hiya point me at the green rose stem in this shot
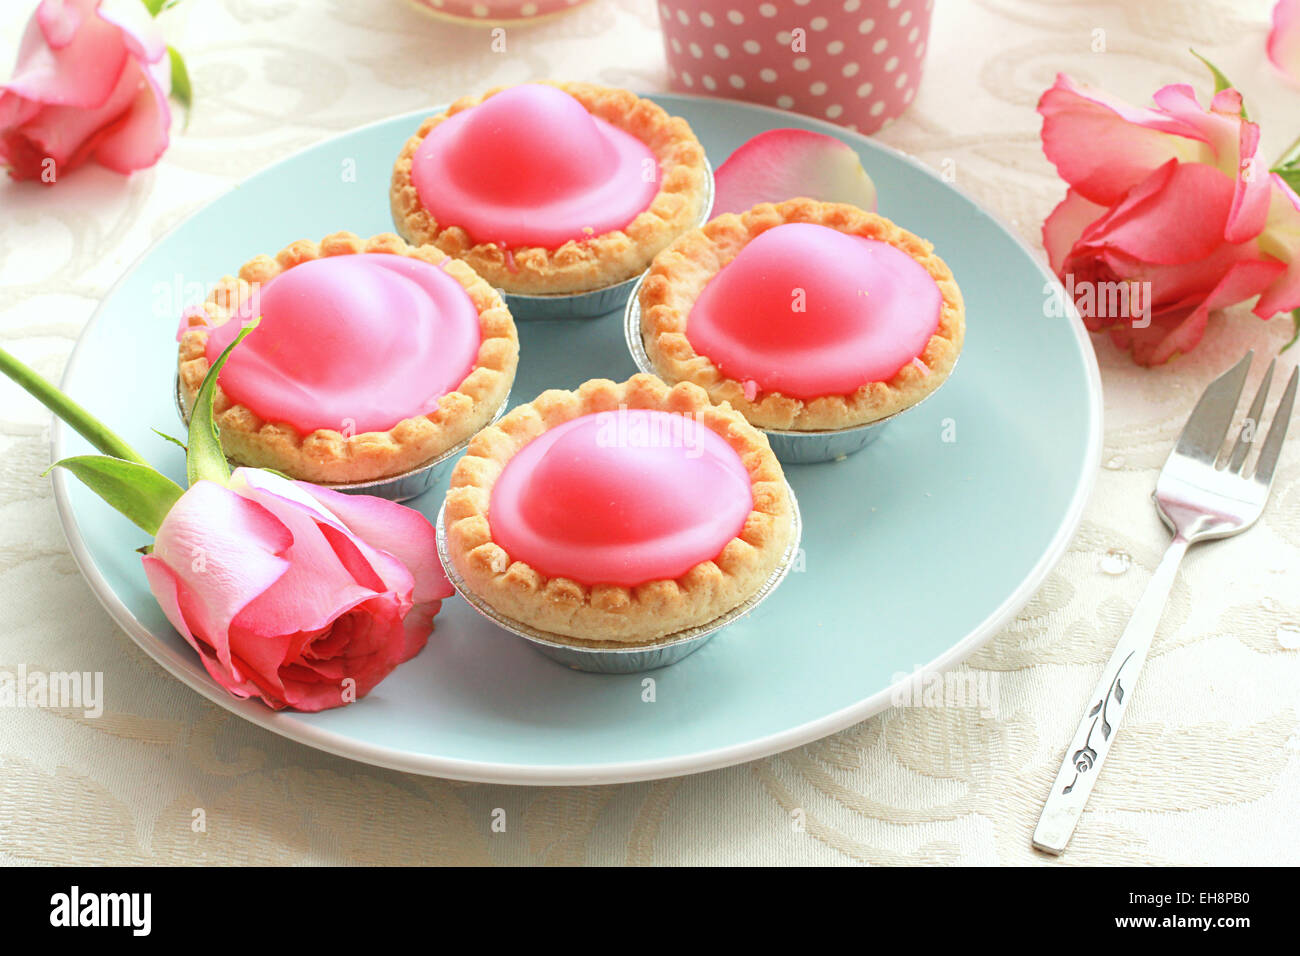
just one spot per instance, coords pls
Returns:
(85, 424)
(121, 476)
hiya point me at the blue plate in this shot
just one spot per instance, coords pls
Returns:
(917, 549)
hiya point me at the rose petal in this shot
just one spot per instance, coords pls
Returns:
(418, 625)
(166, 591)
(316, 588)
(83, 73)
(1184, 285)
(24, 159)
(14, 110)
(1281, 240)
(141, 32)
(1176, 215)
(60, 20)
(138, 142)
(364, 646)
(69, 134)
(225, 552)
(402, 532)
(1284, 38)
(1235, 145)
(1179, 332)
(1102, 146)
(785, 163)
(369, 566)
(1062, 229)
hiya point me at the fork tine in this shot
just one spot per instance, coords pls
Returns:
(1276, 432)
(1246, 438)
(1205, 430)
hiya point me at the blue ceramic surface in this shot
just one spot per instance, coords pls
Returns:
(916, 550)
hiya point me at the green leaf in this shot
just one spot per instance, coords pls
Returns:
(154, 7)
(1289, 174)
(205, 458)
(1221, 82)
(84, 423)
(1295, 321)
(175, 441)
(136, 490)
(182, 91)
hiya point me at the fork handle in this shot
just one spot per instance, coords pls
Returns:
(1092, 741)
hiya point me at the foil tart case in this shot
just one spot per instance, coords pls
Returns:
(669, 649)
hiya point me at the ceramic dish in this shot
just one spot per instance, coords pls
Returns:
(989, 513)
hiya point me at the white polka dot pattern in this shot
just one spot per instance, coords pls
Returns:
(855, 62)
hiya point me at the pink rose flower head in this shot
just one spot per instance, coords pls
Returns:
(1284, 38)
(301, 596)
(1171, 214)
(90, 83)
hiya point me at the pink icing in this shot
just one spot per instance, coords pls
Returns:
(531, 167)
(355, 342)
(806, 311)
(621, 498)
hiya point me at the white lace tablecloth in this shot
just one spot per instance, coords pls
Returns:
(1207, 769)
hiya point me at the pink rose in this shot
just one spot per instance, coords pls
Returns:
(1171, 206)
(304, 597)
(91, 82)
(1284, 38)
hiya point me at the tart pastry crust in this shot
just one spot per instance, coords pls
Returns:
(612, 615)
(679, 274)
(330, 456)
(594, 263)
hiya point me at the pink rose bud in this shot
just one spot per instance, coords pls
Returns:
(301, 596)
(91, 83)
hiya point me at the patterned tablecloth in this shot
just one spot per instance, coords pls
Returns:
(1207, 769)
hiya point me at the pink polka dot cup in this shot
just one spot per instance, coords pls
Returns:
(854, 62)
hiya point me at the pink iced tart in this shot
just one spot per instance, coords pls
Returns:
(368, 339)
(531, 167)
(370, 358)
(548, 188)
(808, 311)
(804, 315)
(619, 512)
(584, 502)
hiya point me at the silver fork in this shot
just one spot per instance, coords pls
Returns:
(1202, 493)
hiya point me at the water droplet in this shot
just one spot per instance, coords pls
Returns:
(1115, 561)
(1288, 635)
(1115, 462)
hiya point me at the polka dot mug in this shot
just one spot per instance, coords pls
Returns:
(854, 62)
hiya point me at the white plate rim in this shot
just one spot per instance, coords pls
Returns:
(286, 724)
